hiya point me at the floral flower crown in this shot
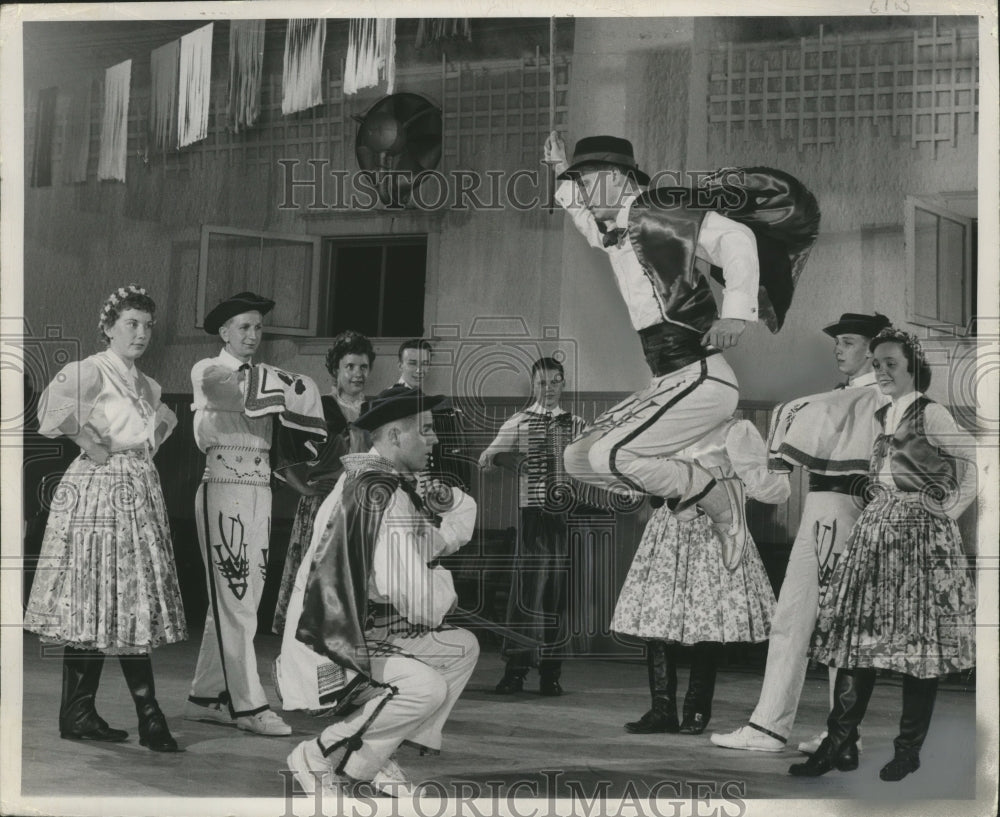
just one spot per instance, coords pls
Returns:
(114, 299)
(903, 338)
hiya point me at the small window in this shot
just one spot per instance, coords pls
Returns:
(376, 286)
(941, 261)
(283, 267)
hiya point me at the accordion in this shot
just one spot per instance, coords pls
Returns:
(544, 481)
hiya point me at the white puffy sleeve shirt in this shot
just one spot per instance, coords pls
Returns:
(101, 396)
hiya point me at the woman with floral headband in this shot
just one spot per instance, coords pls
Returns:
(106, 582)
(903, 597)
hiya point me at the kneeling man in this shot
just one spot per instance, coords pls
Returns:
(365, 636)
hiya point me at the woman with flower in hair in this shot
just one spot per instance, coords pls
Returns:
(349, 362)
(903, 597)
(106, 583)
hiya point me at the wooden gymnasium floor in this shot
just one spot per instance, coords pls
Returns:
(524, 746)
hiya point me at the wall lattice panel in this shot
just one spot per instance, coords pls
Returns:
(923, 85)
(498, 106)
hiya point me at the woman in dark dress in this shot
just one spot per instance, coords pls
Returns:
(349, 362)
(903, 598)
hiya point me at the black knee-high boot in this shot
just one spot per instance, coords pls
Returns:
(919, 695)
(701, 688)
(78, 718)
(851, 693)
(662, 669)
(153, 730)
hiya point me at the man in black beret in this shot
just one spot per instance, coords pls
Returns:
(831, 436)
(755, 228)
(365, 625)
(233, 514)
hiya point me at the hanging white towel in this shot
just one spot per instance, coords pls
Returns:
(302, 79)
(246, 62)
(195, 84)
(114, 122)
(371, 54)
(164, 66)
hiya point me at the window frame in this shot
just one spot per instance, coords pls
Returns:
(313, 275)
(939, 206)
(332, 242)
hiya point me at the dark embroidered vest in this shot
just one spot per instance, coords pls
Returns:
(915, 463)
(663, 228)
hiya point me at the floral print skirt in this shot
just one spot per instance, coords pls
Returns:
(106, 578)
(903, 597)
(678, 589)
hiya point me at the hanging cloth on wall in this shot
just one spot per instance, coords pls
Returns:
(433, 29)
(45, 120)
(371, 54)
(164, 64)
(195, 81)
(246, 63)
(76, 139)
(302, 80)
(114, 122)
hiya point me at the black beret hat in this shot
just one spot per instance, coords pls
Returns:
(236, 305)
(395, 403)
(852, 323)
(610, 149)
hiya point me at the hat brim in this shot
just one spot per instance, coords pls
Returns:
(866, 330)
(232, 307)
(396, 408)
(619, 159)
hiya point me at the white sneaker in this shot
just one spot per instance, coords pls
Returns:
(748, 739)
(210, 713)
(264, 723)
(809, 747)
(392, 781)
(310, 767)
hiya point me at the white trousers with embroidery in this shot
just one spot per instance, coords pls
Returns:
(827, 519)
(234, 549)
(631, 444)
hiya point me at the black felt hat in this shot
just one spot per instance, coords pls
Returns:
(395, 403)
(610, 149)
(236, 305)
(852, 323)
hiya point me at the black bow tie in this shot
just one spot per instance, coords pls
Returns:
(244, 367)
(614, 238)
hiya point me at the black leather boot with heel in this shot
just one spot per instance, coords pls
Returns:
(919, 695)
(153, 730)
(662, 669)
(78, 718)
(851, 692)
(701, 688)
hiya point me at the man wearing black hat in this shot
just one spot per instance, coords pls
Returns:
(830, 435)
(755, 227)
(233, 514)
(365, 619)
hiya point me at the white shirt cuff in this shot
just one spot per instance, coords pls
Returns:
(738, 305)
